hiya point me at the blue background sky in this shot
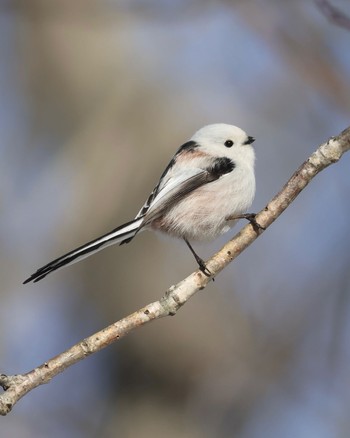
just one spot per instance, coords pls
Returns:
(95, 99)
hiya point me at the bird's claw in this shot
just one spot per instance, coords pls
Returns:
(203, 268)
(251, 217)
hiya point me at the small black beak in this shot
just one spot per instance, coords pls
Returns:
(250, 140)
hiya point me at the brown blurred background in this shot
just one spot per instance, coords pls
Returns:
(96, 96)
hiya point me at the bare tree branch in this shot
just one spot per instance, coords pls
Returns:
(15, 387)
(334, 14)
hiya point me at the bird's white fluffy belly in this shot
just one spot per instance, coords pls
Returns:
(202, 214)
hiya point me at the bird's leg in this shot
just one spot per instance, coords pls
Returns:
(200, 261)
(251, 218)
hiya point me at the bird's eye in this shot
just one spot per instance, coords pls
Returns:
(228, 143)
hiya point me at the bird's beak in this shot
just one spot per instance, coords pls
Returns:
(250, 140)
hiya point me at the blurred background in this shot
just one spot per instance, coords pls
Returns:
(96, 96)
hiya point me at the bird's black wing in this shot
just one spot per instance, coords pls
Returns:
(189, 146)
(183, 183)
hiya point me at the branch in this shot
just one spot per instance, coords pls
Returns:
(15, 387)
(334, 14)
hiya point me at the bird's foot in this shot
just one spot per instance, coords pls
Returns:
(251, 217)
(203, 268)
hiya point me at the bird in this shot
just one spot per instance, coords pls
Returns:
(207, 186)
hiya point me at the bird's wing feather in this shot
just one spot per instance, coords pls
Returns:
(181, 183)
(187, 148)
(176, 189)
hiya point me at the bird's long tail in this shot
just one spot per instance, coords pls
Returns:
(119, 235)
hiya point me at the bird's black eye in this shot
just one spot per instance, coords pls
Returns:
(228, 143)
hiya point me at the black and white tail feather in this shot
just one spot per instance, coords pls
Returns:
(210, 178)
(122, 234)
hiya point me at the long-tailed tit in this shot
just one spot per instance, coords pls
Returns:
(208, 184)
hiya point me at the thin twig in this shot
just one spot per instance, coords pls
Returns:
(15, 387)
(334, 14)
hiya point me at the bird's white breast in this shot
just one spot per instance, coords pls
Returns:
(202, 214)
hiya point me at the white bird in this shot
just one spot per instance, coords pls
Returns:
(208, 184)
